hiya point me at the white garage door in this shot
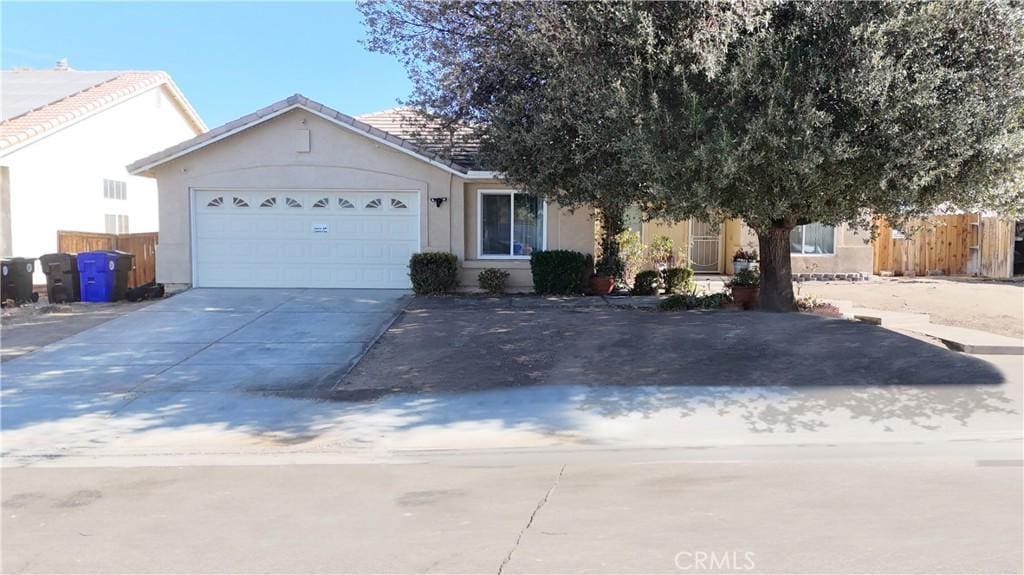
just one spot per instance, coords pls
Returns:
(304, 239)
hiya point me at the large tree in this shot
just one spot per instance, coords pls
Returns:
(777, 113)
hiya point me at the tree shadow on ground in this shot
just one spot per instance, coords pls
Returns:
(558, 371)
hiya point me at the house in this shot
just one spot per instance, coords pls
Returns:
(300, 195)
(65, 137)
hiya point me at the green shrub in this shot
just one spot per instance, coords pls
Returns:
(678, 280)
(691, 301)
(646, 283)
(745, 278)
(492, 280)
(434, 272)
(561, 272)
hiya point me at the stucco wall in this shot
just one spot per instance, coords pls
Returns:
(566, 230)
(56, 182)
(852, 253)
(265, 157)
(5, 213)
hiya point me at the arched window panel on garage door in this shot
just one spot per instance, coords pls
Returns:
(398, 204)
(293, 203)
(269, 202)
(239, 202)
(322, 203)
(216, 202)
(374, 204)
(346, 204)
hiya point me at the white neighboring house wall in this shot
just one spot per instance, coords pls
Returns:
(56, 182)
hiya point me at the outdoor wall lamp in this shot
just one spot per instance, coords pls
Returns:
(438, 201)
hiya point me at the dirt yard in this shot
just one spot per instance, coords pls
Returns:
(467, 344)
(993, 306)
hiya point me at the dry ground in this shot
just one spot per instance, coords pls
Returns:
(467, 344)
(992, 306)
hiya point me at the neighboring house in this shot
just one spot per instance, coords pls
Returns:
(65, 137)
(300, 195)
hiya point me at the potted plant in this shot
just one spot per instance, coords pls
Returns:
(745, 286)
(605, 273)
(744, 260)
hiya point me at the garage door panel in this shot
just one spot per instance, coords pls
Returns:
(305, 239)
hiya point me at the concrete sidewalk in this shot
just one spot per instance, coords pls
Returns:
(201, 428)
(956, 338)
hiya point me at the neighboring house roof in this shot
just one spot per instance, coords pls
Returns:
(409, 124)
(39, 102)
(291, 103)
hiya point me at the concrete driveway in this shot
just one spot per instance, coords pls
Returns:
(224, 340)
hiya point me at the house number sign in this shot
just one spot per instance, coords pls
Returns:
(319, 228)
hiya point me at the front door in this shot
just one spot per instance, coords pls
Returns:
(705, 247)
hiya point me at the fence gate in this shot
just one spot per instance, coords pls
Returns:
(705, 246)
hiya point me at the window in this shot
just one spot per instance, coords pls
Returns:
(322, 203)
(269, 203)
(115, 190)
(813, 239)
(345, 204)
(398, 204)
(511, 224)
(116, 223)
(293, 203)
(373, 204)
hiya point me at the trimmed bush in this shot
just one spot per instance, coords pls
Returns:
(646, 283)
(434, 272)
(561, 272)
(492, 280)
(678, 280)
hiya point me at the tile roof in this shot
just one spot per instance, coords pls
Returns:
(77, 102)
(409, 124)
(26, 90)
(297, 100)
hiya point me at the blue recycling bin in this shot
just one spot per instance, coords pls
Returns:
(97, 272)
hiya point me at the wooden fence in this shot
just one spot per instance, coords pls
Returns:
(142, 245)
(964, 244)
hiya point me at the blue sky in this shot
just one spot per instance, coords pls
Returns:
(228, 58)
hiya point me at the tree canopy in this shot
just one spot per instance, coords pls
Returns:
(779, 113)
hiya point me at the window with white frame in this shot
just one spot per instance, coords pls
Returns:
(813, 239)
(116, 223)
(115, 190)
(511, 224)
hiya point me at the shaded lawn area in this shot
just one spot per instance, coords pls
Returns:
(448, 344)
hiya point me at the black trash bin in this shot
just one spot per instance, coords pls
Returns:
(16, 280)
(123, 266)
(62, 281)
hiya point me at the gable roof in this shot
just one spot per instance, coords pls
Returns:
(288, 104)
(39, 102)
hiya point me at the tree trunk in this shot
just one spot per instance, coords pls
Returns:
(610, 260)
(776, 269)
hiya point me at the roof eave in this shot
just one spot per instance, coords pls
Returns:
(144, 166)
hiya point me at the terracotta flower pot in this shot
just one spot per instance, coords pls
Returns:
(601, 285)
(748, 297)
